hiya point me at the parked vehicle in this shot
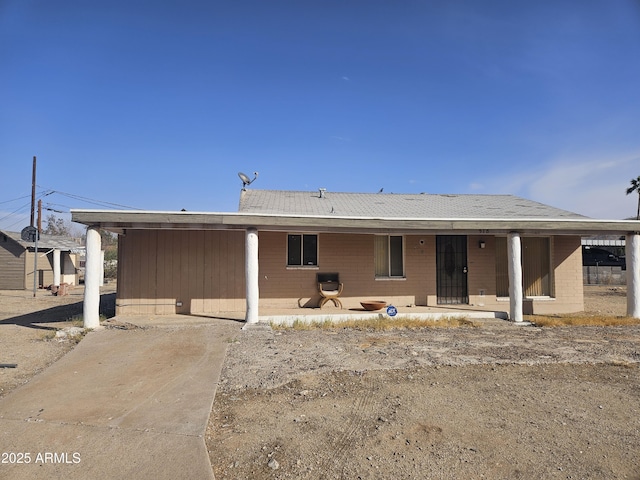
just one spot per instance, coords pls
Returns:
(593, 256)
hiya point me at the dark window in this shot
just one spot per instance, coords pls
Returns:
(310, 249)
(302, 250)
(395, 259)
(294, 250)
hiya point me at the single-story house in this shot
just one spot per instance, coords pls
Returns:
(499, 251)
(56, 254)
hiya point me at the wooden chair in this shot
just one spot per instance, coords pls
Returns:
(330, 288)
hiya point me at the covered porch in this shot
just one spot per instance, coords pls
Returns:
(254, 224)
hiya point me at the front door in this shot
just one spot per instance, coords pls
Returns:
(451, 268)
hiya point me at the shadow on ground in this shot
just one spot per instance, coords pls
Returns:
(62, 313)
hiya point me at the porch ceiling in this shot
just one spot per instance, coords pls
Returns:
(119, 221)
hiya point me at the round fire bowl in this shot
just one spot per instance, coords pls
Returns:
(373, 305)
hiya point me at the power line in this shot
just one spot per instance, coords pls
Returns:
(45, 192)
(49, 209)
(23, 209)
(50, 205)
(28, 205)
(93, 201)
(19, 220)
(14, 200)
(19, 209)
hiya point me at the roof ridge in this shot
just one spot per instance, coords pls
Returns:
(327, 191)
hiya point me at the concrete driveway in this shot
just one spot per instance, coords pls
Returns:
(125, 403)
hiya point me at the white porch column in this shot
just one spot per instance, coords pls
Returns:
(251, 275)
(56, 267)
(91, 306)
(632, 252)
(514, 252)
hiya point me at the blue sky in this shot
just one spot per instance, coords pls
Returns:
(158, 104)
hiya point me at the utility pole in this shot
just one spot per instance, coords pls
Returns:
(40, 216)
(31, 233)
(33, 192)
(35, 255)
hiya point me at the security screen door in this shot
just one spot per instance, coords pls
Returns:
(451, 269)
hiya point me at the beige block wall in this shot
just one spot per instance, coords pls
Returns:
(481, 271)
(566, 258)
(352, 257)
(481, 275)
(566, 264)
(205, 271)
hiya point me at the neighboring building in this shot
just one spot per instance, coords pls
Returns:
(17, 261)
(604, 261)
(496, 251)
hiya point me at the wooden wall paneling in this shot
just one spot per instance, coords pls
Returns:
(12, 259)
(197, 271)
(120, 272)
(216, 242)
(162, 297)
(153, 271)
(207, 279)
(223, 272)
(136, 280)
(180, 270)
(172, 263)
(145, 284)
(238, 277)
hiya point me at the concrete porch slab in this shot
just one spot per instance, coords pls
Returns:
(335, 315)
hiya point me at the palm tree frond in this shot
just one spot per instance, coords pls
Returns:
(635, 186)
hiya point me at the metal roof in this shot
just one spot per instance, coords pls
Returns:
(47, 242)
(393, 205)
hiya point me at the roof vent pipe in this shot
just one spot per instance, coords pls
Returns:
(322, 190)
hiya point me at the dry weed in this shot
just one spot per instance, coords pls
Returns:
(379, 324)
(581, 320)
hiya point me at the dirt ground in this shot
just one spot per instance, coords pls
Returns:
(494, 401)
(27, 330)
(491, 401)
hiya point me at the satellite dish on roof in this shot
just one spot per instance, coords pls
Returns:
(245, 179)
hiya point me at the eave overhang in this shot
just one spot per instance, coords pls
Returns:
(121, 221)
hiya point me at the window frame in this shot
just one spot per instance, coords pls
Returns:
(389, 258)
(302, 250)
